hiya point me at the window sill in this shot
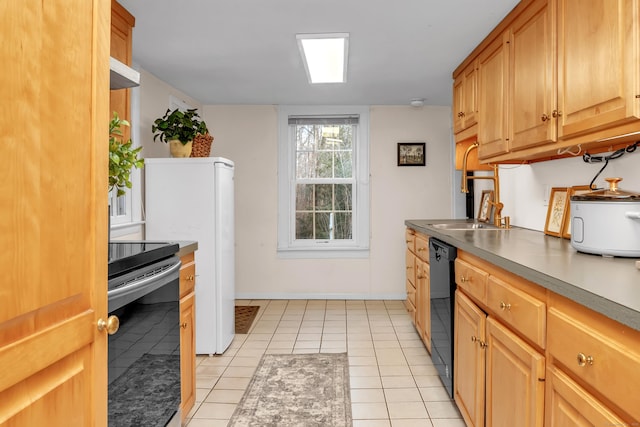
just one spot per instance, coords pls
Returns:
(326, 253)
(125, 229)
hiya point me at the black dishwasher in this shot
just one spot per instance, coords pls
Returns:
(443, 287)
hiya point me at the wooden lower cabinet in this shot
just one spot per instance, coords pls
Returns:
(418, 285)
(498, 377)
(187, 334)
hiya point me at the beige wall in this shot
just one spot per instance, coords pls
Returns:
(248, 136)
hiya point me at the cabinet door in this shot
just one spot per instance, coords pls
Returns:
(423, 303)
(122, 23)
(458, 104)
(187, 353)
(568, 405)
(470, 95)
(515, 379)
(597, 64)
(533, 78)
(469, 360)
(493, 86)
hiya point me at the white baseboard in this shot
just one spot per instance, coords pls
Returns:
(327, 296)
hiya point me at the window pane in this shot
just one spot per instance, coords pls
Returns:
(343, 197)
(305, 137)
(304, 197)
(323, 225)
(304, 225)
(343, 165)
(324, 197)
(324, 166)
(343, 226)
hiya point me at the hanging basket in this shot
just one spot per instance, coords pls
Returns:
(201, 145)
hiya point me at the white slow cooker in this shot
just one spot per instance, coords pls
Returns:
(606, 222)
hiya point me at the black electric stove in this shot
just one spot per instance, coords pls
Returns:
(128, 256)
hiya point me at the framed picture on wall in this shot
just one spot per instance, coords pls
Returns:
(556, 211)
(576, 189)
(411, 154)
(484, 212)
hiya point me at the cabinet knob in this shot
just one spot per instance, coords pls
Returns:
(183, 325)
(474, 338)
(111, 325)
(422, 249)
(544, 117)
(584, 360)
(505, 306)
(556, 113)
(464, 279)
(190, 278)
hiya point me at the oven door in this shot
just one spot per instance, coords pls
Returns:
(144, 355)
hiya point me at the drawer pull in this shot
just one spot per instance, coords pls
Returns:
(584, 360)
(422, 249)
(504, 306)
(464, 279)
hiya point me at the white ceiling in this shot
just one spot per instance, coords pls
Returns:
(245, 52)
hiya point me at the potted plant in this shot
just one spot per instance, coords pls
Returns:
(179, 128)
(122, 157)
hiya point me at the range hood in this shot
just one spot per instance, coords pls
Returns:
(123, 76)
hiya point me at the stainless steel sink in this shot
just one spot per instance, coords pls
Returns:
(466, 226)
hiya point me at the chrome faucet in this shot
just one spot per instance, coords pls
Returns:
(497, 204)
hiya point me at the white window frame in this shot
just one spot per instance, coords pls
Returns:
(131, 221)
(288, 246)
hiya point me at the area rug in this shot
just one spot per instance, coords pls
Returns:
(310, 390)
(147, 393)
(245, 314)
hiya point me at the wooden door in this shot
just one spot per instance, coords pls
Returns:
(515, 380)
(533, 77)
(53, 212)
(469, 360)
(597, 64)
(568, 405)
(493, 81)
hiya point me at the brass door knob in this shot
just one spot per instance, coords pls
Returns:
(111, 325)
(505, 306)
(584, 360)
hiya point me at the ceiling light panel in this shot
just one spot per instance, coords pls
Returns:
(324, 56)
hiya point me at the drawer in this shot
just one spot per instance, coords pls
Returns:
(411, 266)
(516, 308)
(410, 238)
(605, 358)
(471, 279)
(422, 247)
(187, 279)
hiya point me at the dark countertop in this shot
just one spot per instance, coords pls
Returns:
(610, 286)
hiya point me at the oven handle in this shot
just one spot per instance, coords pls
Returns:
(141, 284)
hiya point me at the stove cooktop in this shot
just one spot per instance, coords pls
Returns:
(127, 256)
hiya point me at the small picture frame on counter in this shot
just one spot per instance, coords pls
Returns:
(485, 209)
(411, 154)
(556, 212)
(576, 189)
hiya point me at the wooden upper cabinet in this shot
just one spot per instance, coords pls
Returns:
(598, 64)
(465, 98)
(493, 86)
(533, 79)
(122, 23)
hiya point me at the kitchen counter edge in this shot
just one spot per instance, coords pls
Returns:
(556, 257)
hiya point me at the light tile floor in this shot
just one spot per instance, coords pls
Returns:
(393, 382)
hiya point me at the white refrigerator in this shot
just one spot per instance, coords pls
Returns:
(192, 199)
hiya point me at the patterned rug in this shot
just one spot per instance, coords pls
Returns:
(310, 390)
(244, 317)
